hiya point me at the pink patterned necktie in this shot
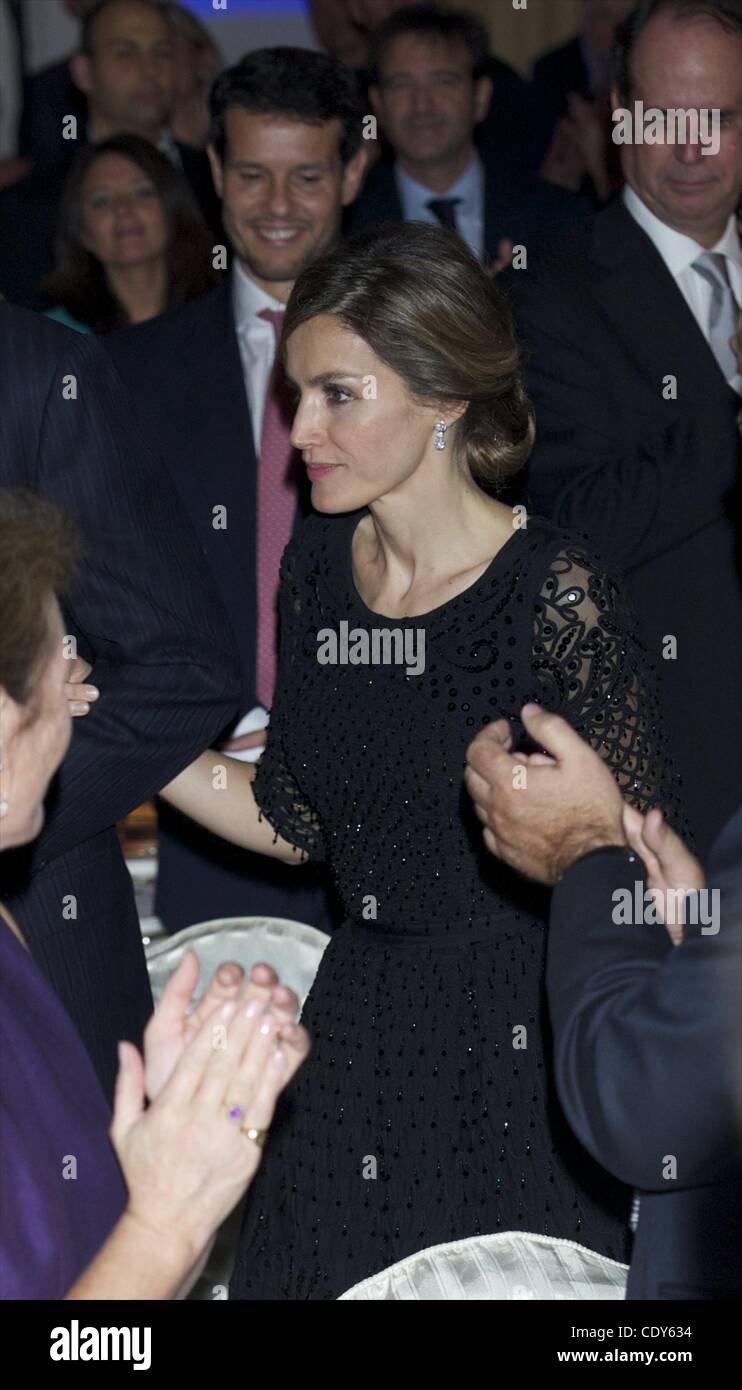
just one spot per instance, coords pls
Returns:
(276, 507)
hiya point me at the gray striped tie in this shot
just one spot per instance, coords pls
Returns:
(712, 266)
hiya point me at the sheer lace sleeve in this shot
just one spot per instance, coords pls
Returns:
(592, 669)
(276, 788)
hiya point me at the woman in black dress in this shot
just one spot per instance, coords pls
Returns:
(414, 609)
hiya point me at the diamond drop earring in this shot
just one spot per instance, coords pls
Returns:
(440, 434)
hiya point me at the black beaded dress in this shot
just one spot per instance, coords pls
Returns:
(426, 1111)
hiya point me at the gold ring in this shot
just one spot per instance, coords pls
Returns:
(258, 1136)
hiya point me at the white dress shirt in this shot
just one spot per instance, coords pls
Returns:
(679, 251)
(469, 214)
(257, 341)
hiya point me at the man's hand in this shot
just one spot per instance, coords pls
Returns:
(502, 259)
(590, 132)
(668, 863)
(542, 812)
(172, 1026)
(563, 163)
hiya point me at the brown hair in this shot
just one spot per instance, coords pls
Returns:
(37, 546)
(430, 22)
(419, 298)
(78, 281)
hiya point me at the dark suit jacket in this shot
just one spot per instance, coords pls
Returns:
(48, 97)
(650, 480)
(183, 373)
(647, 1042)
(503, 137)
(525, 210)
(146, 613)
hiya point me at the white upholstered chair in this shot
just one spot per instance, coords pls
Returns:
(292, 948)
(512, 1265)
(295, 951)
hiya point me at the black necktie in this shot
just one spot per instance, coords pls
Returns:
(443, 209)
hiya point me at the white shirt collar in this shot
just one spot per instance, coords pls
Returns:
(677, 250)
(248, 298)
(467, 188)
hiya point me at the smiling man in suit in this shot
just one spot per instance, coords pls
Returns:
(430, 90)
(636, 390)
(287, 155)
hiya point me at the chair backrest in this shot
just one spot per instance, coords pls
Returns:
(294, 949)
(510, 1265)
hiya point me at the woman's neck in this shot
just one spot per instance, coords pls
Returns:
(417, 539)
(141, 290)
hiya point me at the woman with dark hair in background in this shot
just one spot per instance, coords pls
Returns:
(415, 608)
(84, 1215)
(130, 241)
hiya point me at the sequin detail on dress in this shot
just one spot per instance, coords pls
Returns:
(425, 1112)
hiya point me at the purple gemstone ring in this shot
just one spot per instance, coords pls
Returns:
(236, 1113)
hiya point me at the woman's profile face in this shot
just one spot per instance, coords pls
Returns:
(35, 740)
(360, 433)
(123, 218)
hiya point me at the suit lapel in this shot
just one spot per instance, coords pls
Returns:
(640, 298)
(219, 439)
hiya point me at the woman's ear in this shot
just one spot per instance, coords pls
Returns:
(451, 411)
(12, 718)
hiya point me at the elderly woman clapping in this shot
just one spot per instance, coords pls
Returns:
(128, 1212)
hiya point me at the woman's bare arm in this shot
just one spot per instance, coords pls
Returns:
(216, 791)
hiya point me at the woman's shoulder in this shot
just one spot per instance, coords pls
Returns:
(573, 583)
(558, 549)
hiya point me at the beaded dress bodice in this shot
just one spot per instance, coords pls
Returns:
(364, 764)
